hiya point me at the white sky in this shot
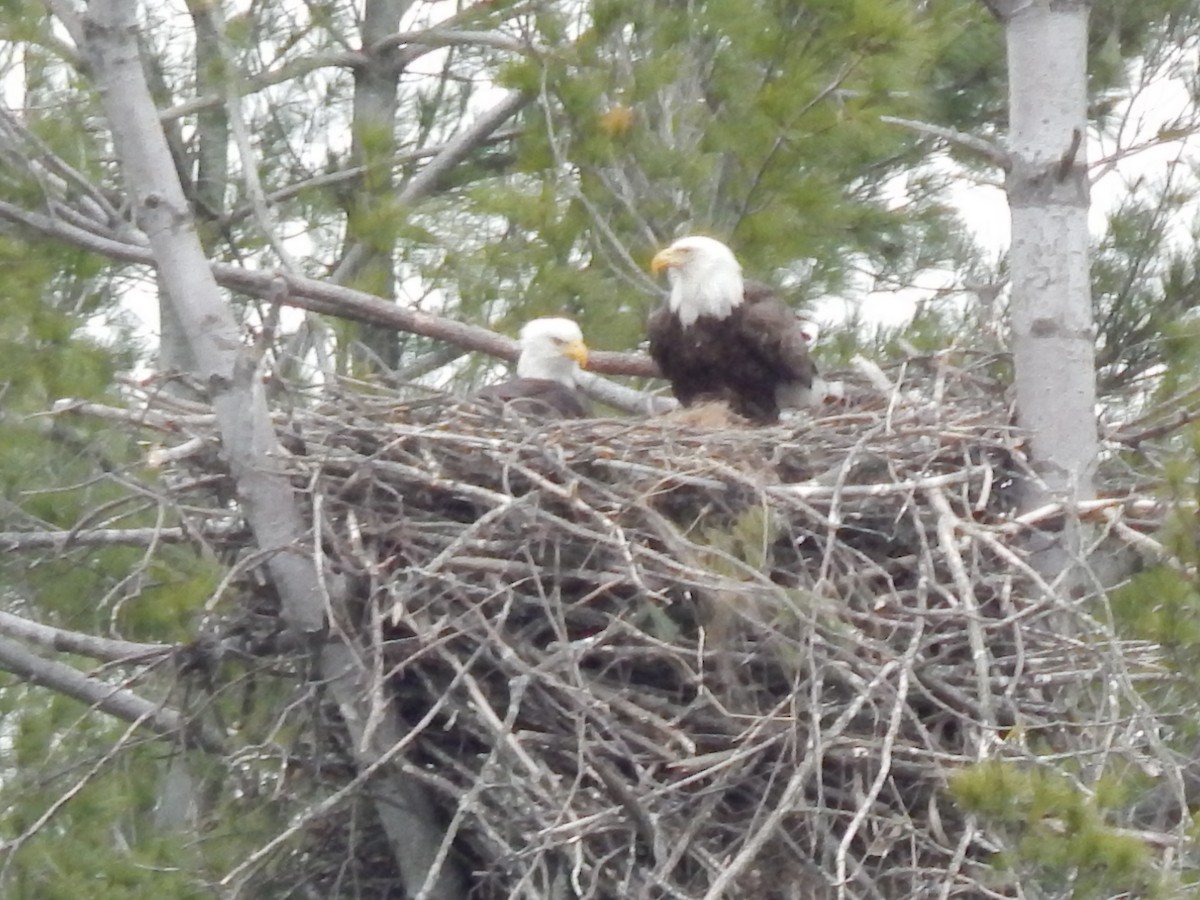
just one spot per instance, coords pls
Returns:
(984, 208)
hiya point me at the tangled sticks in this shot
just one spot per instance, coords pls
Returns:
(642, 658)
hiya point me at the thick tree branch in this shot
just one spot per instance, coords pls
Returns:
(119, 702)
(323, 297)
(247, 434)
(89, 645)
(225, 367)
(621, 397)
(67, 15)
(977, 145)
(16, 541)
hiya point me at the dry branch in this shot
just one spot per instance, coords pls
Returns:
(323, 297)
(109, 537)
(645, 658)
(116, 701)
(66, 641)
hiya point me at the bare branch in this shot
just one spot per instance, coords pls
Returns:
(17, 541)
(106, 649)
(456, 150)
(815, 491)
(976, 145)
(254, 83)
(322, 297)
(119, 702)
(259, 204)
(437, 37)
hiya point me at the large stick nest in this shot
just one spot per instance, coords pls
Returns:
(644, 658)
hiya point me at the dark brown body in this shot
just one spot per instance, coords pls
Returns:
(740, 360)
(537, 397)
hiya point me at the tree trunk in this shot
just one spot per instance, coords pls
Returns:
(1053, 337)
(373, 146)
(224, 366)
(248, 438)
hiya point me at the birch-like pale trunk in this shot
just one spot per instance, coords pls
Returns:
(373, 146)
(223, 365)
(230, 373)
(1053, 338)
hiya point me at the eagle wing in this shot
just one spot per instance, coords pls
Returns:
(772, 331)
(537, 397)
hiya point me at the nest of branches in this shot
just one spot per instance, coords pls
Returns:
(647, 658)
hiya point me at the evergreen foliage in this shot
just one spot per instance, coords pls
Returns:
(1059, 838)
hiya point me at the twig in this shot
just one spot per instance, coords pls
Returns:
(947, 522)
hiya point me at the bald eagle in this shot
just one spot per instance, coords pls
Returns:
(719, 337)
(551, 352)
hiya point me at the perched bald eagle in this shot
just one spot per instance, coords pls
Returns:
(721, 338)
(551, 352)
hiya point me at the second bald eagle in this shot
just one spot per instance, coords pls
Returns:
(552, 350)
(719, 337)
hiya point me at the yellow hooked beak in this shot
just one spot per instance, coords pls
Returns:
(665, 259)
(576, 350)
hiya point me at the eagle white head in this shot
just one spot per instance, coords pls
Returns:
(705, 276)
(551, 349)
